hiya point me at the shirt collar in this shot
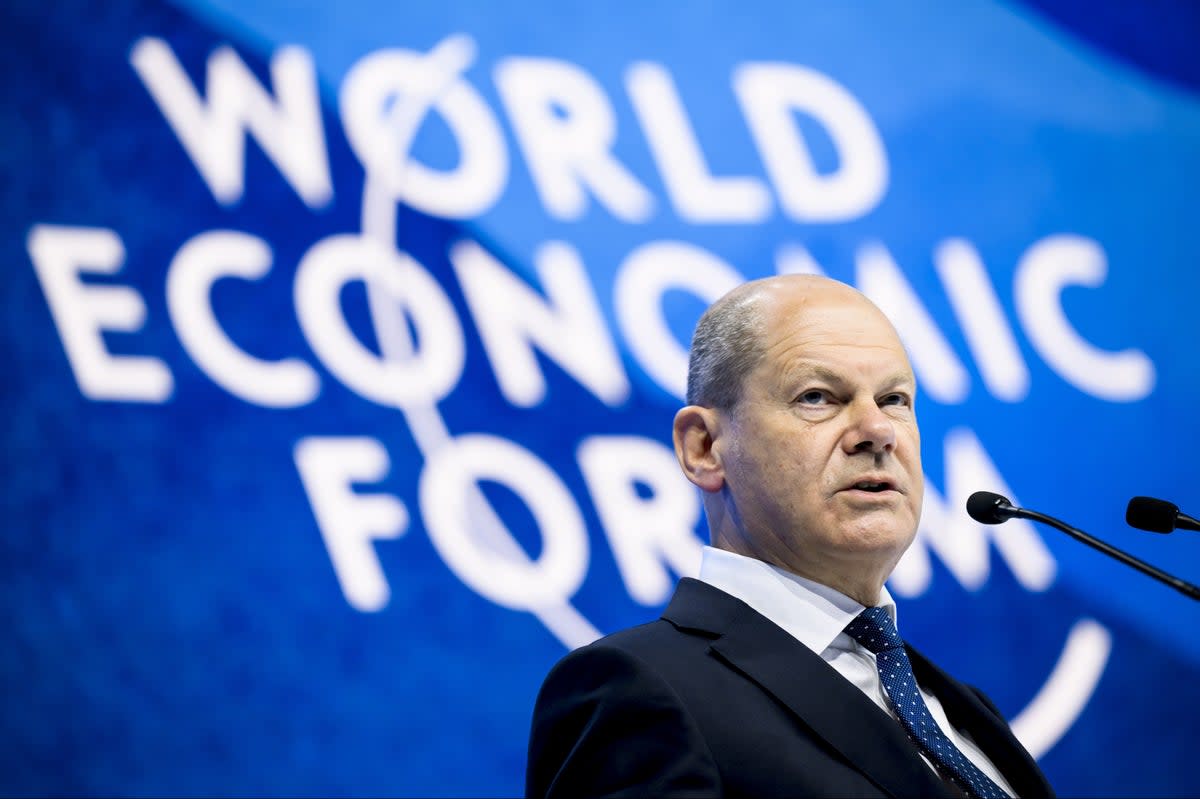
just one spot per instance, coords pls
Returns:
(814, 614)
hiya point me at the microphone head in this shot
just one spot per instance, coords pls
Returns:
(1155, 515)
(988, 508)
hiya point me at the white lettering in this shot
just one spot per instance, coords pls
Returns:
(383, 100)
(962, 543)
(566, 128)
(430, 373)
(213, 131)
(504, 574)
(770, 93)
(938, 369)
(1046, 268)
(698, 196)
(83, 312)
(200, 263)
(566, 325)
(350, 522)
(644, 277)
(983, 322)
(647, 534)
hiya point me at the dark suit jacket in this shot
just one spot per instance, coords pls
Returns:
(715, 699)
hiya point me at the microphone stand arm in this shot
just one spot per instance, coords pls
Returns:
(1185, 588)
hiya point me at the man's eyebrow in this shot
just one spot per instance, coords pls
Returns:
(808, 371)
(899, 379)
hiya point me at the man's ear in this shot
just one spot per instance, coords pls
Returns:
(695, 432)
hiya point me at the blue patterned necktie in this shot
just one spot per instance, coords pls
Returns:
(873, 629)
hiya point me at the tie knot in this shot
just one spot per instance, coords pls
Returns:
(873, 628)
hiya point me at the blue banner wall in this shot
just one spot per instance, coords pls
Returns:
(344, 341)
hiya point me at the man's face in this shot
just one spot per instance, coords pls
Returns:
(821, 455)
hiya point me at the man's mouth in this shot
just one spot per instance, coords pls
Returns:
(873, 486)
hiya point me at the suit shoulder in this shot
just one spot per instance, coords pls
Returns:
(608, 720)
(643, 637)
(632, 647)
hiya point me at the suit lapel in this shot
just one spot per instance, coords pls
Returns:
(827, 703)
(967, 711)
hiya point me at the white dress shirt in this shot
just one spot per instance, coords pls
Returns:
(816, 616)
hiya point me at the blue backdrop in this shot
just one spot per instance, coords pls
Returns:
(344, 341)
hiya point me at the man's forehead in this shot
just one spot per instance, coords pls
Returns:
(798, 296)
(825, 316)
(832, 335)
(768, 294)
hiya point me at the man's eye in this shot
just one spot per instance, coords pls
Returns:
(813, 397)
(894, 399)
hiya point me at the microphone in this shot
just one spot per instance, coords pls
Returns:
(988, 508)
(1158, 516)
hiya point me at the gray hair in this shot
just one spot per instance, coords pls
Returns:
(727, 345)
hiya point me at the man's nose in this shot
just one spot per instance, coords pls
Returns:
(870, 430)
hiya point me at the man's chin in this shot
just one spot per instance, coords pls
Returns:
(880, 530)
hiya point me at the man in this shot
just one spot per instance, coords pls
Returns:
(779, 672)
